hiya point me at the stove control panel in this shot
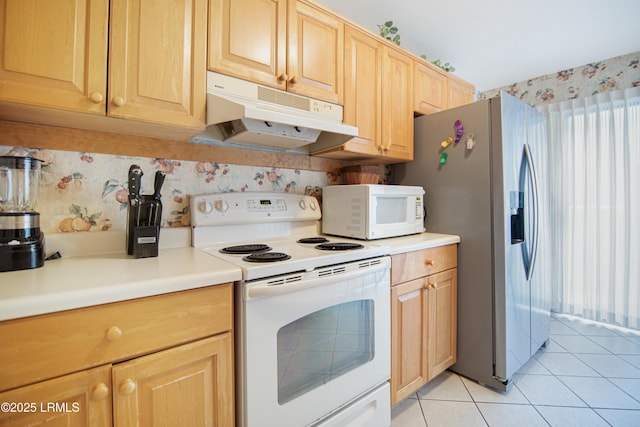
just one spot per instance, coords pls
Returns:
(266, 205)
(252, 208)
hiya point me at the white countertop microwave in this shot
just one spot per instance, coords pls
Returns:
(367, 211)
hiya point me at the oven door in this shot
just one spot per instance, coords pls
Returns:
(313, 343)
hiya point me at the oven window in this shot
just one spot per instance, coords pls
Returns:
(391, 210)
(322, 346)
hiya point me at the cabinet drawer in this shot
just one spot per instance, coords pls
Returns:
(40, 347)
(412, 265)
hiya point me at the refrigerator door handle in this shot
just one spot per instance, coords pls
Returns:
(535, 210)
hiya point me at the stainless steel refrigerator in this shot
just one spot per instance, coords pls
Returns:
(490, 189)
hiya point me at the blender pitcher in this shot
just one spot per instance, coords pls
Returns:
(21, 242)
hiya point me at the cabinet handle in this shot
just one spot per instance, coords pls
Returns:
(283, 77)
(96, 97)
(100, 391)
(118, 101)
(293, 80)
(114, 333)
(128, 386)
(429, 262)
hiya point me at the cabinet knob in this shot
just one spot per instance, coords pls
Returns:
(434, 285)
(118, 101)
(293, 80)
(283, 77)
(128, 386)
(114, 333)
(96, 97)
(429, 262)
(100, 391)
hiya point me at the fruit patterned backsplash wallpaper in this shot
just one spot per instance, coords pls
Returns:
(621, 72)
(88, 192)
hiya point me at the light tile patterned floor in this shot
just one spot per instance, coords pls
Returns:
(589, 375)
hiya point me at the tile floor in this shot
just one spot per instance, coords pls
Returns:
(589, 375)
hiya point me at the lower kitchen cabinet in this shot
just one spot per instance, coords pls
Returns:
(423, 317)
(160, 360)
(80, 399)
(191, 385)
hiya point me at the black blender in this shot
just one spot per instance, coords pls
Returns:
(21, 242)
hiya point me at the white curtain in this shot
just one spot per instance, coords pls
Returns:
(594, 206)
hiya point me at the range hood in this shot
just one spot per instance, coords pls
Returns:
(248, 114)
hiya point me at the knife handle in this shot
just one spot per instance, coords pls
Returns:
(135, 181)
(157, 184)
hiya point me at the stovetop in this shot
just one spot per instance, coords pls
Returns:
(301, 256)
(277, 220)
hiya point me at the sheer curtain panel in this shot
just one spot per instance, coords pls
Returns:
(594, 206)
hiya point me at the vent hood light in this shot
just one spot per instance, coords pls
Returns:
(247, 114)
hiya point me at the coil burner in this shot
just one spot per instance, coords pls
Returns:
(339, 246)
(245, 249)
(267, 257)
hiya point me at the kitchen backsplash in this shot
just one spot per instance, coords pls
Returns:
(621, 72)
(88, 192)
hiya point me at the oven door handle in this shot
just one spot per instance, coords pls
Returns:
(266, 290)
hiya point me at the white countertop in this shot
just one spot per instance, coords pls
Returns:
(95, 270)
(416, 242)
(82, 281)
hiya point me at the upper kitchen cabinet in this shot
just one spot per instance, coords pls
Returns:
(157, 61)
(436, 90)
(430, 89)
(54, 54)
(362, 96)
(141, 60)
(378, 101)
(287, 44)
(397, 105)
(459, 92)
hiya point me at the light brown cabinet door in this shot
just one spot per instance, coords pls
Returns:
(363, 65)
(458, 93)
(315, 53)
(430, 89)
(80, 399)
(248, 39)
(286, 44)
(409, 316)
(54, 53)
(397, 105)
(189, 385)
(157, 55)
(441, 344)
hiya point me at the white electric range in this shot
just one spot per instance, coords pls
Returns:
(312, 317)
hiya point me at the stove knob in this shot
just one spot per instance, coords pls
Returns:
(205, 207)
(221, 205)
(302, 204)
(313, 205)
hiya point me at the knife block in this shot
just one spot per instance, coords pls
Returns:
(144, 214)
